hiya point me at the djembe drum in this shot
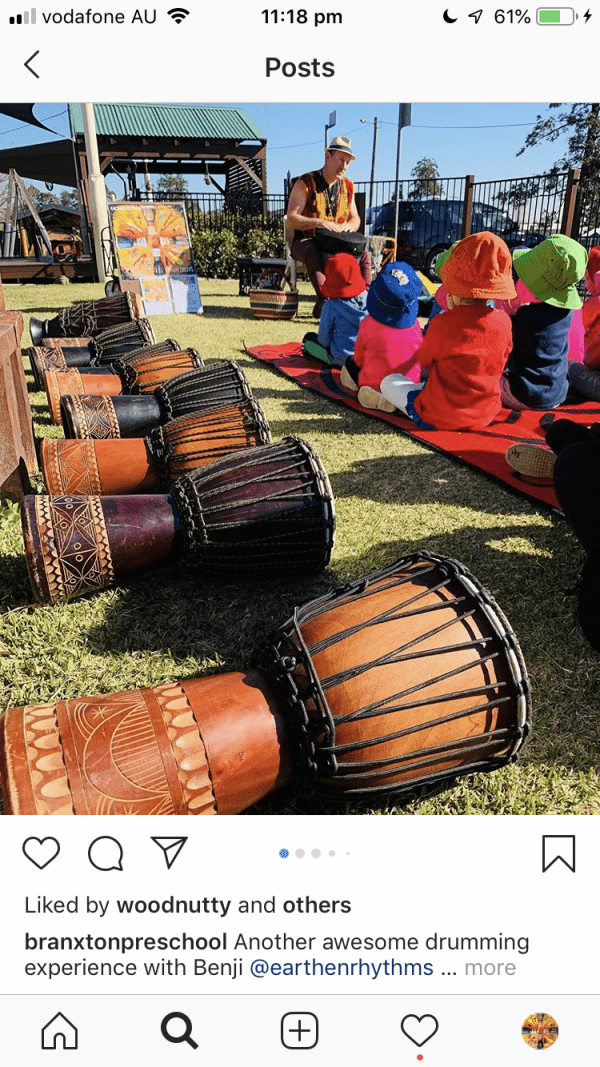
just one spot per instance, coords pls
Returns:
(141, 374)
(100, 417)
(116, 341)
(407, 678)
(48, 358)
(87, 318)
(117, 467)
(263, 510)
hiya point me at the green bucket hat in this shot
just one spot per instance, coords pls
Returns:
(552, 270)
(443, 258)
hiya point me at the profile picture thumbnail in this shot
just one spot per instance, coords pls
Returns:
(539, 1030)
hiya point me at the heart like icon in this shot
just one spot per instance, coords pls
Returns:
(419, 1028)
(41, 851)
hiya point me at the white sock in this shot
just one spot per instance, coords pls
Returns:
(396, 387)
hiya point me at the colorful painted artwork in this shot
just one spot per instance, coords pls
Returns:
(152, 245)
(539, 1030)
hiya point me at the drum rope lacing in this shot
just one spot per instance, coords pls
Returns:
(244, 420)
(315, 728)
(82, 319)
(197, 502)
(191, 391)
(138, 333)
(131, 369)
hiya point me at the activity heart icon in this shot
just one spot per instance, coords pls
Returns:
(41, 851)
(419, 1028)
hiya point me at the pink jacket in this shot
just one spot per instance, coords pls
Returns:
(381, 350)
(591, 324)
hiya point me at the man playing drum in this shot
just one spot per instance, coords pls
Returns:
(328, 196)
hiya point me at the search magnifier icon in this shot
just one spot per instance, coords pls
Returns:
(177, 1037)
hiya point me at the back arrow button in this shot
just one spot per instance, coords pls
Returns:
(28, 61)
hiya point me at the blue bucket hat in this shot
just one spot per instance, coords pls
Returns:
(393, 299)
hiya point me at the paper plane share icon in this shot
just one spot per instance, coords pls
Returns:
(171, 847)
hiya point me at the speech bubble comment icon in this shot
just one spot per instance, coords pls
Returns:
(419, 1028)
(106, 854)
(41, 850)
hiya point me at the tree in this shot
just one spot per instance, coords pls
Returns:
(582, 124)
(171, 185)
(425, 174)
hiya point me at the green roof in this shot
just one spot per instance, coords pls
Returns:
(169, 120)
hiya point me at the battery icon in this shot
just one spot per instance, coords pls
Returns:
(555, 16)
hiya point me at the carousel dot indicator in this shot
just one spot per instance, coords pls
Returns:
(300, 853)
(332, 853)
(283, 852)
(316, 852)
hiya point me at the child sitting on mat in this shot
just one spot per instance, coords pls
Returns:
(344, 309)
(388, 338)
(465, 349)
(536, 375)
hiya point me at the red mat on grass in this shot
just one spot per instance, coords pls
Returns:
(482, 449)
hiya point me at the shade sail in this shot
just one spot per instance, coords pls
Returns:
(48, 162)
(24, 113)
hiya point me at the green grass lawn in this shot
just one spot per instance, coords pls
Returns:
(393, 496)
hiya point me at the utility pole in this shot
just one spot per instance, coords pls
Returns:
(404, 117)
(96, 189)
(373, 159)
(329, 125)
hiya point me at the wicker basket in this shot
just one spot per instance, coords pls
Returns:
(269, 303)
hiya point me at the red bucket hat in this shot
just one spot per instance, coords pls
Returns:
(479, 266)
(342, 277)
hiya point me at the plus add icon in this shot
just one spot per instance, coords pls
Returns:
(299, 1030)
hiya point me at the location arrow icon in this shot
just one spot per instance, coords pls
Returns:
(171, 847)
(476, 15)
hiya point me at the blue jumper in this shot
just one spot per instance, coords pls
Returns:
(538, 365)
(338, 325)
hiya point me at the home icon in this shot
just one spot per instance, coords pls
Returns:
(59, 1033)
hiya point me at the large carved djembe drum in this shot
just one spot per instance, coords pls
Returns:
(405, 679)
(99, 417)
(408, 677)
(264, 510)
(87, 318)
(153, 464)
(117, 341)
(138, 375)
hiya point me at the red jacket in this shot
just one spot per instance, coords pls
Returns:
(465, 351)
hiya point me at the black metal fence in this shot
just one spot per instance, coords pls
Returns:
(234, 212)
(432, 213)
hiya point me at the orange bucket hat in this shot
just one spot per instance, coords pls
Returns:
(479, 266)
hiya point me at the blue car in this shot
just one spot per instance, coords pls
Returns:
(427, 227)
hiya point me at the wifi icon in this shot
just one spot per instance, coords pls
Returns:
(178, 14)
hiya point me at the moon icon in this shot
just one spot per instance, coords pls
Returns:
(447, 17)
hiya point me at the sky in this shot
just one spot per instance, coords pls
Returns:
(479, 139)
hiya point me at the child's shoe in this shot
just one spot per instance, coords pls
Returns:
(370, 398)
(347, 380)
(534, 463)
